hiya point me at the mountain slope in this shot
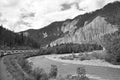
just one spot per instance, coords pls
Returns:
(11, 40)
(87, 28)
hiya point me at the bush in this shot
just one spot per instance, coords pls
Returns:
(25, 65)
(53, 71)
(81, 71)
(98, 55)
(40, 74)
(15, 69)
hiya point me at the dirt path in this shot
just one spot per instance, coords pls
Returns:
(4, 74)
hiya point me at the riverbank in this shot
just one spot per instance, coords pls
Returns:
(96, 62)
(4, 74)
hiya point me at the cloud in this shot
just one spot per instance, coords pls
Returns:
(91, 5)
(66, 6)
(21, 15)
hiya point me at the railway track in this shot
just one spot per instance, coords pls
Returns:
(10, 52)
(4, 73)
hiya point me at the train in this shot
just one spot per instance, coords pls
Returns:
(10, 52)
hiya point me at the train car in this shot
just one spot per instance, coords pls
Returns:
(1, 54)
(9, 52)
(5, 53)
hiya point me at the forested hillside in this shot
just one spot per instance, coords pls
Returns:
(11, 40)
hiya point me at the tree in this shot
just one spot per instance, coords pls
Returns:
(40, 74)
(53, 71)
(81, 74)
(81, 71)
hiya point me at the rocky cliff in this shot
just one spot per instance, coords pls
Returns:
(87, 28)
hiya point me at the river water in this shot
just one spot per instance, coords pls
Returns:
(96, 72)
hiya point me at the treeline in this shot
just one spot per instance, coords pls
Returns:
(11, 40)
(112, 44)
(70, 48)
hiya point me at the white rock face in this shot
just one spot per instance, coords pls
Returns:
(26, 34)
(69, 26)
(45, 35)
(90, 32)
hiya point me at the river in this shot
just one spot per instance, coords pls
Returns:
(96, 72)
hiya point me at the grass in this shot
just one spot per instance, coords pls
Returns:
(15, 69)
(20, 69)
(86, 56)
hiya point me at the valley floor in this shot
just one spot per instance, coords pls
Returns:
(95, 69)
(95, 62)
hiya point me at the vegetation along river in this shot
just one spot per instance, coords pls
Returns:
(95, 72)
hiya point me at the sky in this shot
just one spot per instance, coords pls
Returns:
(20, 15)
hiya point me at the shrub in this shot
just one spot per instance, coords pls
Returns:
(25, 65)
(53, 71)
(81, 71)
(40, 74)
(98, 55)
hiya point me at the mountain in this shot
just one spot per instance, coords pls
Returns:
(11, 40)
(87, 28)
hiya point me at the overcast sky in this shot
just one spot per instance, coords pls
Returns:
(19, 15)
